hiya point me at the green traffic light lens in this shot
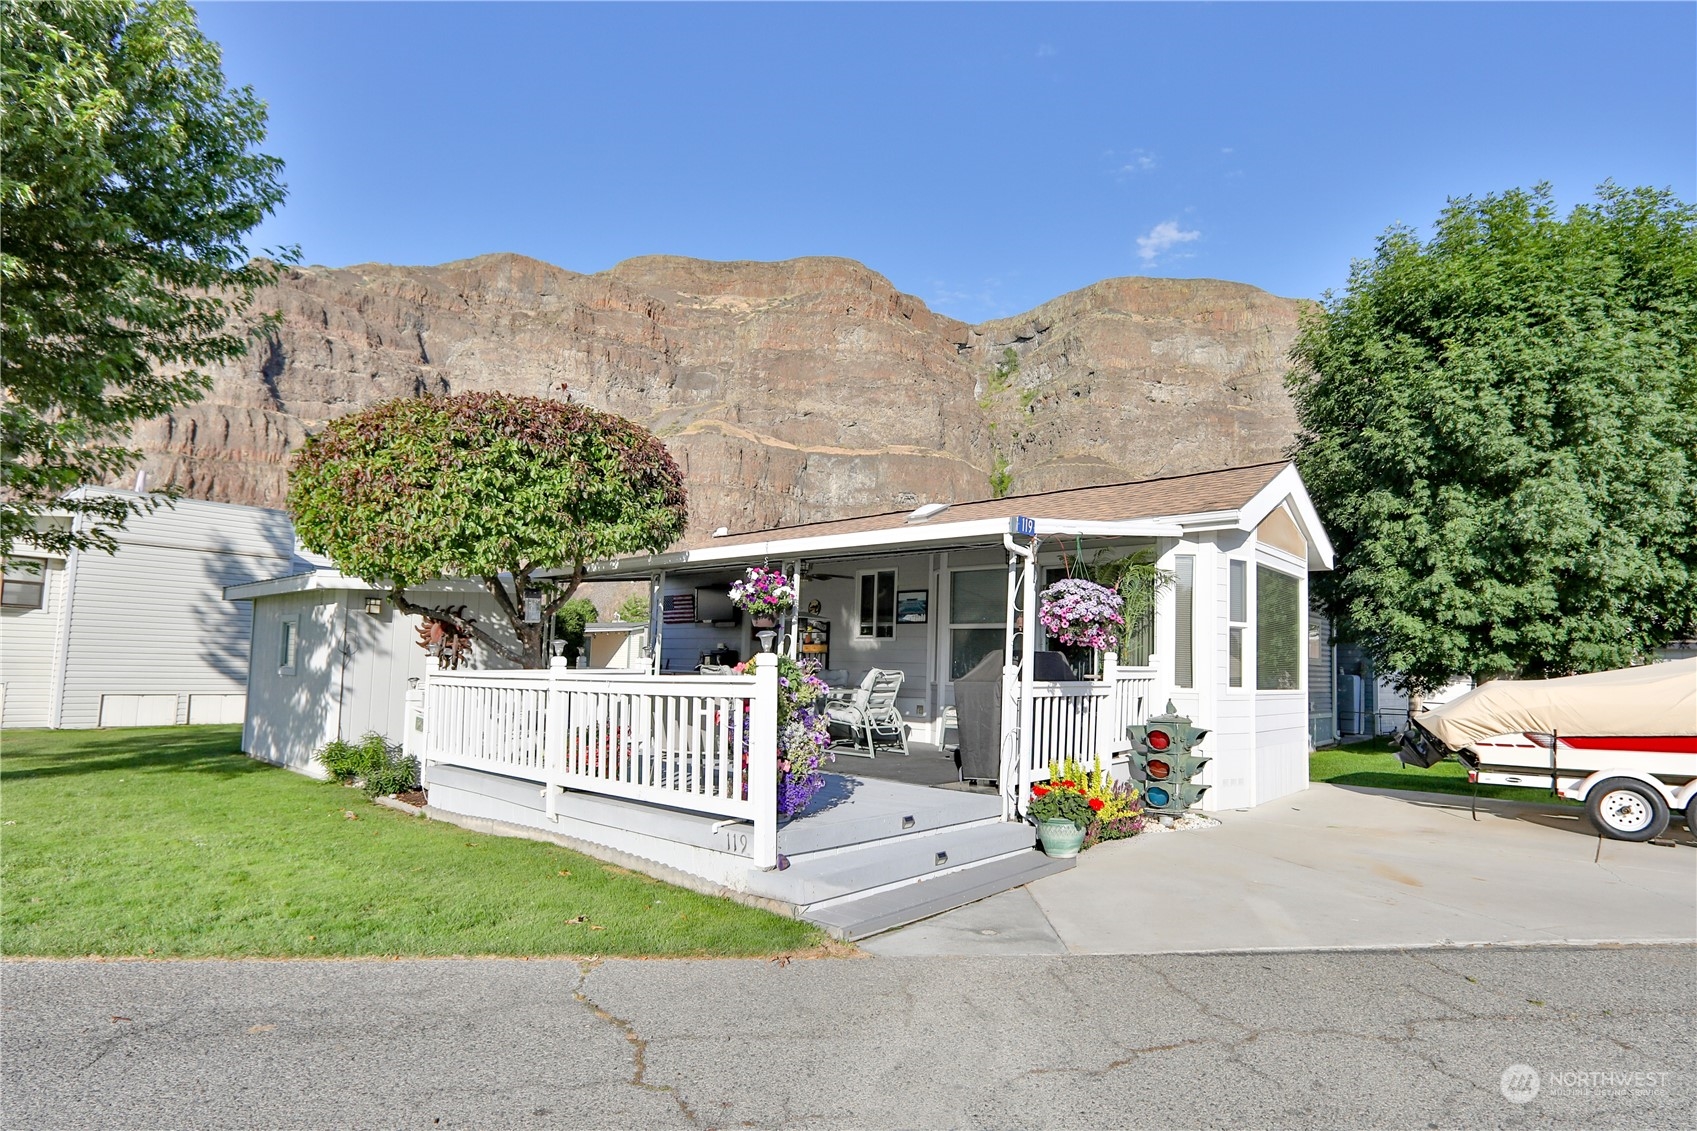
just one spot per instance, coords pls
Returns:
(1157, 796)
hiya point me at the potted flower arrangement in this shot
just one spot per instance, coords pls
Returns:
(1079, 612)
(1082, 805)
(763, 592)
(1062, 814)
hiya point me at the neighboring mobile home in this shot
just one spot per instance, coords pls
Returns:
(140, 636)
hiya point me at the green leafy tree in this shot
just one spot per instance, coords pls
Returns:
(574, 616)
(633, 609)
(1499, 427)
(128, 179)
(491, 486)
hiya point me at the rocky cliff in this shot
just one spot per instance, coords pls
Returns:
(787, 391)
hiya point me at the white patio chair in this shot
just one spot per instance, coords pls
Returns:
(869, 713)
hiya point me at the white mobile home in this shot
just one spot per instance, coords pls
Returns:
(931, 593)
(140, 636)
(656, 768)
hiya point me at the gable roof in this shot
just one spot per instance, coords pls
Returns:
(1167, 507)
(1203, 492)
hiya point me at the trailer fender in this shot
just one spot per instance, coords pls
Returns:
(1676, 797)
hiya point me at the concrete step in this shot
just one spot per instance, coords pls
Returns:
(863, 915)
(834, 873)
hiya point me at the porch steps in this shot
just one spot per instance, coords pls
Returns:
(865, 915)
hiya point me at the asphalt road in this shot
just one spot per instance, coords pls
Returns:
(1404, 1039)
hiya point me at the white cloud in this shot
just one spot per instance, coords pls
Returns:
(1162, 238)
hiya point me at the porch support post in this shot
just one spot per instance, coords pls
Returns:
(1027, 662)
(1012, 776)
(763, 762)
(556, 723)
(789, 627)
(1110, 710)
(656, 620)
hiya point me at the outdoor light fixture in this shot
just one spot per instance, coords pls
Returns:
(533, 606)
(374, 606)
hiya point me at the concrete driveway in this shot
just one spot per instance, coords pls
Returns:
(1340, 867)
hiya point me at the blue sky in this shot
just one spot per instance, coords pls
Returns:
(983, 157)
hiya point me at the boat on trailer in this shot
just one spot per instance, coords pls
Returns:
(1623, 742)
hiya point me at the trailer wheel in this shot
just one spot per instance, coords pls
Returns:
(1691, 816)
(1625, 809)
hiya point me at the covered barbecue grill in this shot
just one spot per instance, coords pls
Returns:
(978, 711)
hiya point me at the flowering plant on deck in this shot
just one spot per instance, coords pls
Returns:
(763, 592)
(803, 738)
(1075, 611)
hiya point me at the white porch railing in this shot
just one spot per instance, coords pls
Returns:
(702, 743)
(1084, 720)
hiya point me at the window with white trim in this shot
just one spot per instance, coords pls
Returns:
(24, 584)
(978, 616)
(1278, 630)
(1238, 618)
(877, 613)
(1184, 620)
(288, 644)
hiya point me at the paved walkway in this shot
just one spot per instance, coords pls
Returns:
(1339, 867)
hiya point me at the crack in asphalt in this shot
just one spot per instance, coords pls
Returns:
(639, 1046)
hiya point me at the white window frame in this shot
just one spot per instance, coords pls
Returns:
(1301, 656)
(1184, 621)
(860, 619)
(36, 578)
(950, 624)
(289, 645)
(1237, 624)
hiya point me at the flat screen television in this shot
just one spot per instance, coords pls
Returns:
(713, 606)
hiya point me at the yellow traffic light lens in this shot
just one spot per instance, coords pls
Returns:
(1158, 769)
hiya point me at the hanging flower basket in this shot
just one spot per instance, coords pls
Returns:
(763, 593)
(1079, 612)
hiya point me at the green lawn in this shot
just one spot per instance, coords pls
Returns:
(168, 841)
(1372, 763)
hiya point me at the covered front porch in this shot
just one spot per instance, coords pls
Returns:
(674, 764)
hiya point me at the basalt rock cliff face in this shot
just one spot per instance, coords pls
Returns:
(787, 392)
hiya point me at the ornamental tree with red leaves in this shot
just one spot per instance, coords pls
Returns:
(489, 486)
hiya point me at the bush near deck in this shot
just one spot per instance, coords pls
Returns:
(169, 842)
(1374, 764)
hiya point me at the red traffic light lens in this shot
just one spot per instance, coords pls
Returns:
(1157, 769)
(1158, 740)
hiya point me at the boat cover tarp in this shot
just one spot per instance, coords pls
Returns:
(1658, 699)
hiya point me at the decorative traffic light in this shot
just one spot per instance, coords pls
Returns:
(1161, 755)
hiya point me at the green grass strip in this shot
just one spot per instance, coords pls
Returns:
(168, 841)
(1373, 764)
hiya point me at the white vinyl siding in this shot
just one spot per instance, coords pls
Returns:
(151, 620)
(29, 654)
